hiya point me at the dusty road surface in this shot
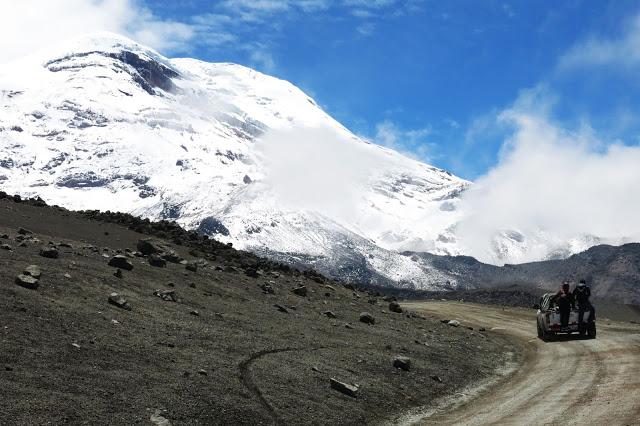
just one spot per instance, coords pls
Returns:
(566, 381)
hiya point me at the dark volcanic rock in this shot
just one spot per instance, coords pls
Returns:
(367, 318)
(211, 226)
(166, 295)
(119, 301)
(27, 281)
(300, 291)
(5, 247)
(347, 389)
(402, 362)
(147, 247)
(156, 260)
(121, 262)
(171, 256)
(191, 266)
(395, 307)
(49, 252)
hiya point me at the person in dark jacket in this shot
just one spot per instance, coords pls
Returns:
(582, 293)
(565, 301)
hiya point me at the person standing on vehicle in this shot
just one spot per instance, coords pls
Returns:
(565, 301)
(582, 293)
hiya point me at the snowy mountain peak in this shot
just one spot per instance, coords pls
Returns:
(105, 123)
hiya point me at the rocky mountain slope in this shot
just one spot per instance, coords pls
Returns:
(613, 272)
(110, 319)
(105, 123)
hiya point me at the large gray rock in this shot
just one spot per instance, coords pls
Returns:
(345, 388)
(121, 262)
(33, 271)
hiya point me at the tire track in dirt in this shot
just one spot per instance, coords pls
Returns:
(248, 382)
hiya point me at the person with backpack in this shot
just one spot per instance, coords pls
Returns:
(582, 293)
(565, 301)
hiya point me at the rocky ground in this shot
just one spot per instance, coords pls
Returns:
(109, 319)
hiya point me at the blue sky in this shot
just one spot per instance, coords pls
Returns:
(430, 78)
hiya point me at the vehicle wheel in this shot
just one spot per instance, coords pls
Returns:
(591, 330)
(540, 335)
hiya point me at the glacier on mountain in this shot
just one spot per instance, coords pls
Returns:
(105, 123)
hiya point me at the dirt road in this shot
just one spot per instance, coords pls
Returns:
(567, 381)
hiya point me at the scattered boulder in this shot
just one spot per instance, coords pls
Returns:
(402, 362)
(23, 231)
(267, 288)
(300, 291)
(191, 266)
(49, 252)
(147, 247)
(121, 262)
(5, 247)
(159, 420)
(27, 281)
(33, 271)
(395, 307)
(156, 260)
(436, 378)
(454, 323)
(171, 256)
(194, 313)
(367, 318)
(329, 314)
(166, 295)
(253, 272)
(119, 301)
(347, 389)
(118, 273)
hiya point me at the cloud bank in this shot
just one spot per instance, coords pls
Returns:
(30, 25)
(554, 187)
(318, 169)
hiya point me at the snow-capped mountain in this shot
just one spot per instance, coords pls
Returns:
(105, 123)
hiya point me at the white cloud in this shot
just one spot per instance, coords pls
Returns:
(598, 51)
(412, 143)
(366, 29)
(318, 169)
(29, 25)
(262, 60)
(563, 184)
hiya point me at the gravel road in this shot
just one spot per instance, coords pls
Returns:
(566, 381)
